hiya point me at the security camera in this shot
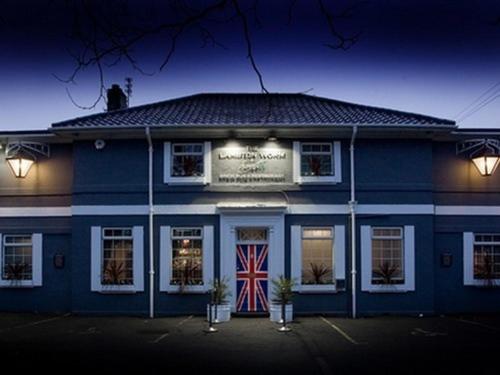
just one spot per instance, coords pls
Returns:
(99, 144)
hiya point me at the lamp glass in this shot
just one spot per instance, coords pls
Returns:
(486, 164)
(20, 165)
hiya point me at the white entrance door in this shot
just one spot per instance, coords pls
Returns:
(231, 230)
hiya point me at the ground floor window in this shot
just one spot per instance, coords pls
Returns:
(481, 259)
(21, 260)
(117, 259)
(387, 258)
(117, 254)
(318, 257)
(186, 258)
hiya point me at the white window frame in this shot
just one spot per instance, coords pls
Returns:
(188, 180)
(408, 261)
(166, 259)
(96, 234)
(468, 254)
(336, 164)
(37, 259)
(338, 267)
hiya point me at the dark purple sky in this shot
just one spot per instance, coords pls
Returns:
(432, 57)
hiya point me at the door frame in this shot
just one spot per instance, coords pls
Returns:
(275, 224)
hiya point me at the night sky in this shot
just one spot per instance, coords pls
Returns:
(427, 56)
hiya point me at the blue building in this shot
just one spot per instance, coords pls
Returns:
(136, 210)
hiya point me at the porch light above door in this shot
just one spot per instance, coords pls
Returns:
(484, 153)
(22, 155)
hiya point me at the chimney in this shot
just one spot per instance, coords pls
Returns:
(116, 98)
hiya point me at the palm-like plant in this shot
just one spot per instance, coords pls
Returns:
(15, 271)
(483, 269)
(114, 273)
(319, 272)
(386, 272)
(220, 290)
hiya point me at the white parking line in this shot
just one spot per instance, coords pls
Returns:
(479, 324)
(34, 323)
(167, 333)
(339, 330)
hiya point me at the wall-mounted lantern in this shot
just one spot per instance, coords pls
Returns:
(22, 155)
(484, 153)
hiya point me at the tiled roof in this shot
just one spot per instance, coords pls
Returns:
(213, 110)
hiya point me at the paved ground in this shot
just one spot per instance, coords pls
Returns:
(316, 345)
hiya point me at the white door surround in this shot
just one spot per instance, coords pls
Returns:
(274, 223)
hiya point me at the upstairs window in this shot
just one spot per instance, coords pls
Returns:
(187, 160)
(316, 159)
(317, 162)
(187, 163)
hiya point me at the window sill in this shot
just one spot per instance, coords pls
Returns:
(388, 289)
(118, 290)
(17, 286)
(186, 181)
(481, 284)
(318, 181)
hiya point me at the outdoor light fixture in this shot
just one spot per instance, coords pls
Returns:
(484, 153)
(22, 155)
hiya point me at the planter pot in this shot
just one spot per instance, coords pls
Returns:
(275, 312)
(223, 312)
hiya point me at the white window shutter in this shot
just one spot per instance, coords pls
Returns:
(167, 161)
(208, 255)
(165, 258)
(409, 257)
(296, 254)
(138, 257)
(296, 162)
(339, 252)
(37, 259)
(366, 258)
(207, 161)
(468, 243)
(95, 259)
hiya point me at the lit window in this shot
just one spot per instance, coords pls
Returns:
(187, 257)
(316, 159)
(187, 160)
(317, 256)
(486, 257)
(117, 256)
(17, 259)
(387, 256)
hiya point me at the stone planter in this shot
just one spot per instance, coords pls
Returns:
(223, 312)
(275, 312)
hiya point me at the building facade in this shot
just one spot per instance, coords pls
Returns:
(137, 210)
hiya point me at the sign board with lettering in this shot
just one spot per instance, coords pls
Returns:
(252, 163)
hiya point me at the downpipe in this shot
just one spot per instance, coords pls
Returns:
(352, 210)
(151, 213)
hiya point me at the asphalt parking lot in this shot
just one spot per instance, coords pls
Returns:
(316, 345)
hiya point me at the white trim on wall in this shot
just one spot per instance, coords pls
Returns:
(96, 263)
(409, 262)
(166, 261)
(212, 209)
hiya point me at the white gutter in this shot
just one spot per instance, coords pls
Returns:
(151, 213)
(352, 209)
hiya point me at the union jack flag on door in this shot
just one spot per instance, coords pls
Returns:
(251, 278)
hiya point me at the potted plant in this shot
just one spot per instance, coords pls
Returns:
(387, 273)
(283, 294)
(221, 308)
(483, 269)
